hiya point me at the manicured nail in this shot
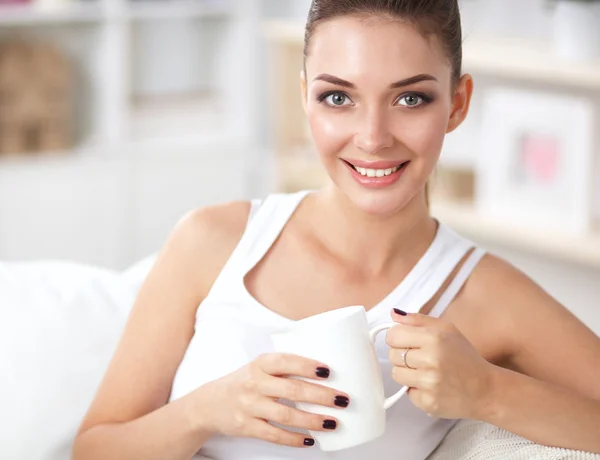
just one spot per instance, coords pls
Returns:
(341, 401)
(322, 372)
(329, 424)
(400, 312)
(309, 442)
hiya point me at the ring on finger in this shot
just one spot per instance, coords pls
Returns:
(403, 356)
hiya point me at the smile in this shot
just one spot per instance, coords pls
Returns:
(386, 174)
(377, 172)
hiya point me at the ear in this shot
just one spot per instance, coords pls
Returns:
(304, 88)
(460, 102)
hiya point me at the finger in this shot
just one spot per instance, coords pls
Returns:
(417, 319)
(404, 376)
(404, 336)
(300, 391)
(282, 364)
(267, 432)
(292, 417)
(414, 358)
(416, 396)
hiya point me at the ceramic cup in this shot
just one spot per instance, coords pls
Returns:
(342, 340)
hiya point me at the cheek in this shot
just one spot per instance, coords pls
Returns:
(423, 134)
(330, 131)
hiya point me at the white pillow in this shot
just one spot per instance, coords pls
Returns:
(59, 325)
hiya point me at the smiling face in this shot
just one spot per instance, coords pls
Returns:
(379, 98)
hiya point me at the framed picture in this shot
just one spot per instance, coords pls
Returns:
(535, 162)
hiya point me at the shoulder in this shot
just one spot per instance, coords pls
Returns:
(499, 304)
(495, 282)
(204, 238)
(225, 219)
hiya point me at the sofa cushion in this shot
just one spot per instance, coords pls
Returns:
(59, 325)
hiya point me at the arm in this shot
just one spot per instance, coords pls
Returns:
(505, 353)
(129, 417)
(548, 389)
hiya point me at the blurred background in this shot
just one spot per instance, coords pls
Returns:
(119, 116)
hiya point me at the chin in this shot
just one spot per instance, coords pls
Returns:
(382, 202)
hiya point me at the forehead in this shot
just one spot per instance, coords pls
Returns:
(353, 48)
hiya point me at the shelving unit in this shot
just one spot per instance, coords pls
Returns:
(505, 58)
(98, 38)
(533, 64)
(27, 15)
(158, 119)
(583, 250)
(152, 10)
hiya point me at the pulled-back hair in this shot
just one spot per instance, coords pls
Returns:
(440, 18)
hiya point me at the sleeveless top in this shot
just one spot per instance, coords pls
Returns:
(232, 328)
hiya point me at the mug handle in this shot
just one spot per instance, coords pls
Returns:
(389, 402)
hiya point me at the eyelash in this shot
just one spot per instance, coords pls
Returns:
(425, 98)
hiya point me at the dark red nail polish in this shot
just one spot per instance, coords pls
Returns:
(322, 372)
(309, 442)
(341, 401)
(400, 312)
(330, 424)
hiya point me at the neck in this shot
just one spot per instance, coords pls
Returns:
(374, 243)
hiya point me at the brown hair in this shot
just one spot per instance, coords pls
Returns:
(431, 17)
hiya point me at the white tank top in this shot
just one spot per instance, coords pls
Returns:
(232, 328)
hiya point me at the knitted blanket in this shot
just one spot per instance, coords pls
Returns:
(471, 440)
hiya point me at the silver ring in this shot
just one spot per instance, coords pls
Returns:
(403, 355)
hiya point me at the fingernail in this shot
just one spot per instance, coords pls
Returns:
(341, 401)
(400, 312)
(322, 372)
(309, 442)
(329, 424)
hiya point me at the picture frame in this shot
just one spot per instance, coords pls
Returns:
(536, 160)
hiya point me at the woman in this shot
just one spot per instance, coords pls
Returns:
(382, 86)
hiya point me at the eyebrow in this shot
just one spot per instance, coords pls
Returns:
(399, 84)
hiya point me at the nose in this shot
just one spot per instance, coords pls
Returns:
(373, 133)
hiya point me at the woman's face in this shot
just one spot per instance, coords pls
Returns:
(379, 100)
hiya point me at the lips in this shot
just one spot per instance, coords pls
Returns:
(376, 175)
(374, 164)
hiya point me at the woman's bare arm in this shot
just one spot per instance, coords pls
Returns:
(547, 388)
(129, 417)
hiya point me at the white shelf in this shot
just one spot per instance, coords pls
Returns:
(463, 218)
(19, 15)
(167, 147)
(532, 61)
(173, 9)
(132, 150)
(290, 32)
(175, 117)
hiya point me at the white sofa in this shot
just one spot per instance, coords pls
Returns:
(59, 324)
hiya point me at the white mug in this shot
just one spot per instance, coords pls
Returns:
(341, 339)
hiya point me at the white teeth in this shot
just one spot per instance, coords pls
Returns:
(376, 172)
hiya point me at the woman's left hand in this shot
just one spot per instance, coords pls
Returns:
(447, 377)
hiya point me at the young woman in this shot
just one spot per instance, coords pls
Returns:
(192, 374)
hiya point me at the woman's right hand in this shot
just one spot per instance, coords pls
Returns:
(243, 403)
